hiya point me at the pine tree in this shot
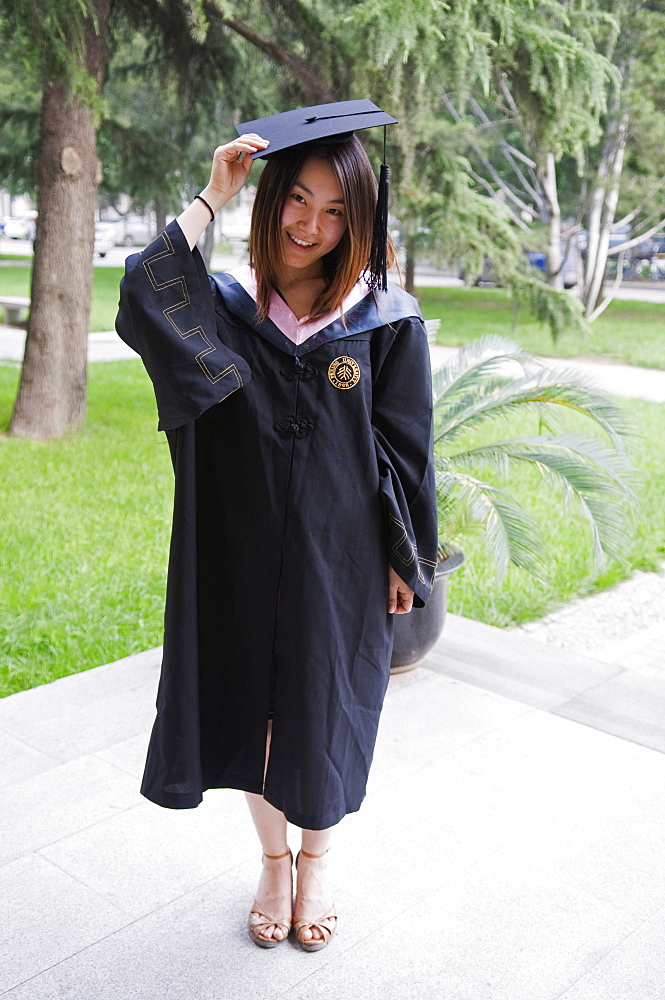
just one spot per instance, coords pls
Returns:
(68, 44)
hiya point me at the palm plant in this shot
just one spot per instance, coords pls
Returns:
(490, 378)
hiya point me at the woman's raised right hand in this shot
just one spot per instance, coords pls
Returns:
(230, 168)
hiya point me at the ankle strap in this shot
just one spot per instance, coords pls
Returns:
(315, 856)
(277, 857)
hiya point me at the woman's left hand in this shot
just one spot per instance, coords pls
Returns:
(400, 596)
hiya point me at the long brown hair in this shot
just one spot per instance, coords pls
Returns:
(344, 265)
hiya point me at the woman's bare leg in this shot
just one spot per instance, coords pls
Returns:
(313, 898)
(274, 895)
(270, 824)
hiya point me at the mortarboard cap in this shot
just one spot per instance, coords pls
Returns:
(323, 121)
(331, 123)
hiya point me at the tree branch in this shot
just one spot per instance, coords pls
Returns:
(507, 94)
(510, 153)
(492, 193)
(627, 218)
(496, 177)
(610, 296)
(313, 86)
(479, 179)
(637, 239)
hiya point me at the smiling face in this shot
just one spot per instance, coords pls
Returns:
(334, 184)
(314, 218)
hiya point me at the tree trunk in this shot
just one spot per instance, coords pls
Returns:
(410, 264)
(548, 180)
(160, 211)
(52, 392)
(595, 217)
(207, 244)
(603, 217)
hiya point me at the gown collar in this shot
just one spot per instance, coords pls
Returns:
(284, 319)
(361, 311)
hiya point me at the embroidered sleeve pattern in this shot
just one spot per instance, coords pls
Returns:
(179, 313)
(167, 315)
(406, 552)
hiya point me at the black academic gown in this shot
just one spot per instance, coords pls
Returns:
(300, 472)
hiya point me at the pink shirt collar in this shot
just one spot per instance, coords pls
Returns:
(298, 331)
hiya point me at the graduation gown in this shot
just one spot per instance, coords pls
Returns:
(300, 472)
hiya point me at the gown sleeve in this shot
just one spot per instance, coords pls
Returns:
(402, 421)
(167, 315)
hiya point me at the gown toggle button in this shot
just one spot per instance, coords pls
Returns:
(302, 371)
(300, 427)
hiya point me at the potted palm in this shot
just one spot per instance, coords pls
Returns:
(487, 379)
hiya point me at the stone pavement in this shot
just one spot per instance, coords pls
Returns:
(621, 380)
(505, 850)
(103, 346)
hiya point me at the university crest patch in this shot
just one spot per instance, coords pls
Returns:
(344, 373)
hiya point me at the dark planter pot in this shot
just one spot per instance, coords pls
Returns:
(416, 633)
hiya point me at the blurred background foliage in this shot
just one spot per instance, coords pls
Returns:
(513, 115)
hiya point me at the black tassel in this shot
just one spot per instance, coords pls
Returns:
(376, 275)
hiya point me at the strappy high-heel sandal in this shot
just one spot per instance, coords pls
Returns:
(325, 925)
(259, 921)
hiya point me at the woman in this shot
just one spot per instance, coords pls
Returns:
(297, 406)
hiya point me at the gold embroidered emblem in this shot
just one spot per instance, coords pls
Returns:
(344, 373)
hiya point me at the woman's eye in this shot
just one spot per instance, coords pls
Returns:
(298, 197)
(334, 211)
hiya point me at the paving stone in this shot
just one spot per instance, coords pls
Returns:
(46, 916)
(60, 801)
(196, 948)
(608, 841)
(127, 755)
(634, 970)
(20, 761)
(546, 760)
(621, 380)
(403, 746)
(619, 649)
(85, 712)
(636, 660)
(470, 802)
(500, 931)
(406, 679)
(107, 346)
(101, 346)
(147, 856)
(631, 705)
(516, 666)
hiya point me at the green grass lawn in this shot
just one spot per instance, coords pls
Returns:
(86, 520)
(85, 524)
(631, 332)
(15, 280)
